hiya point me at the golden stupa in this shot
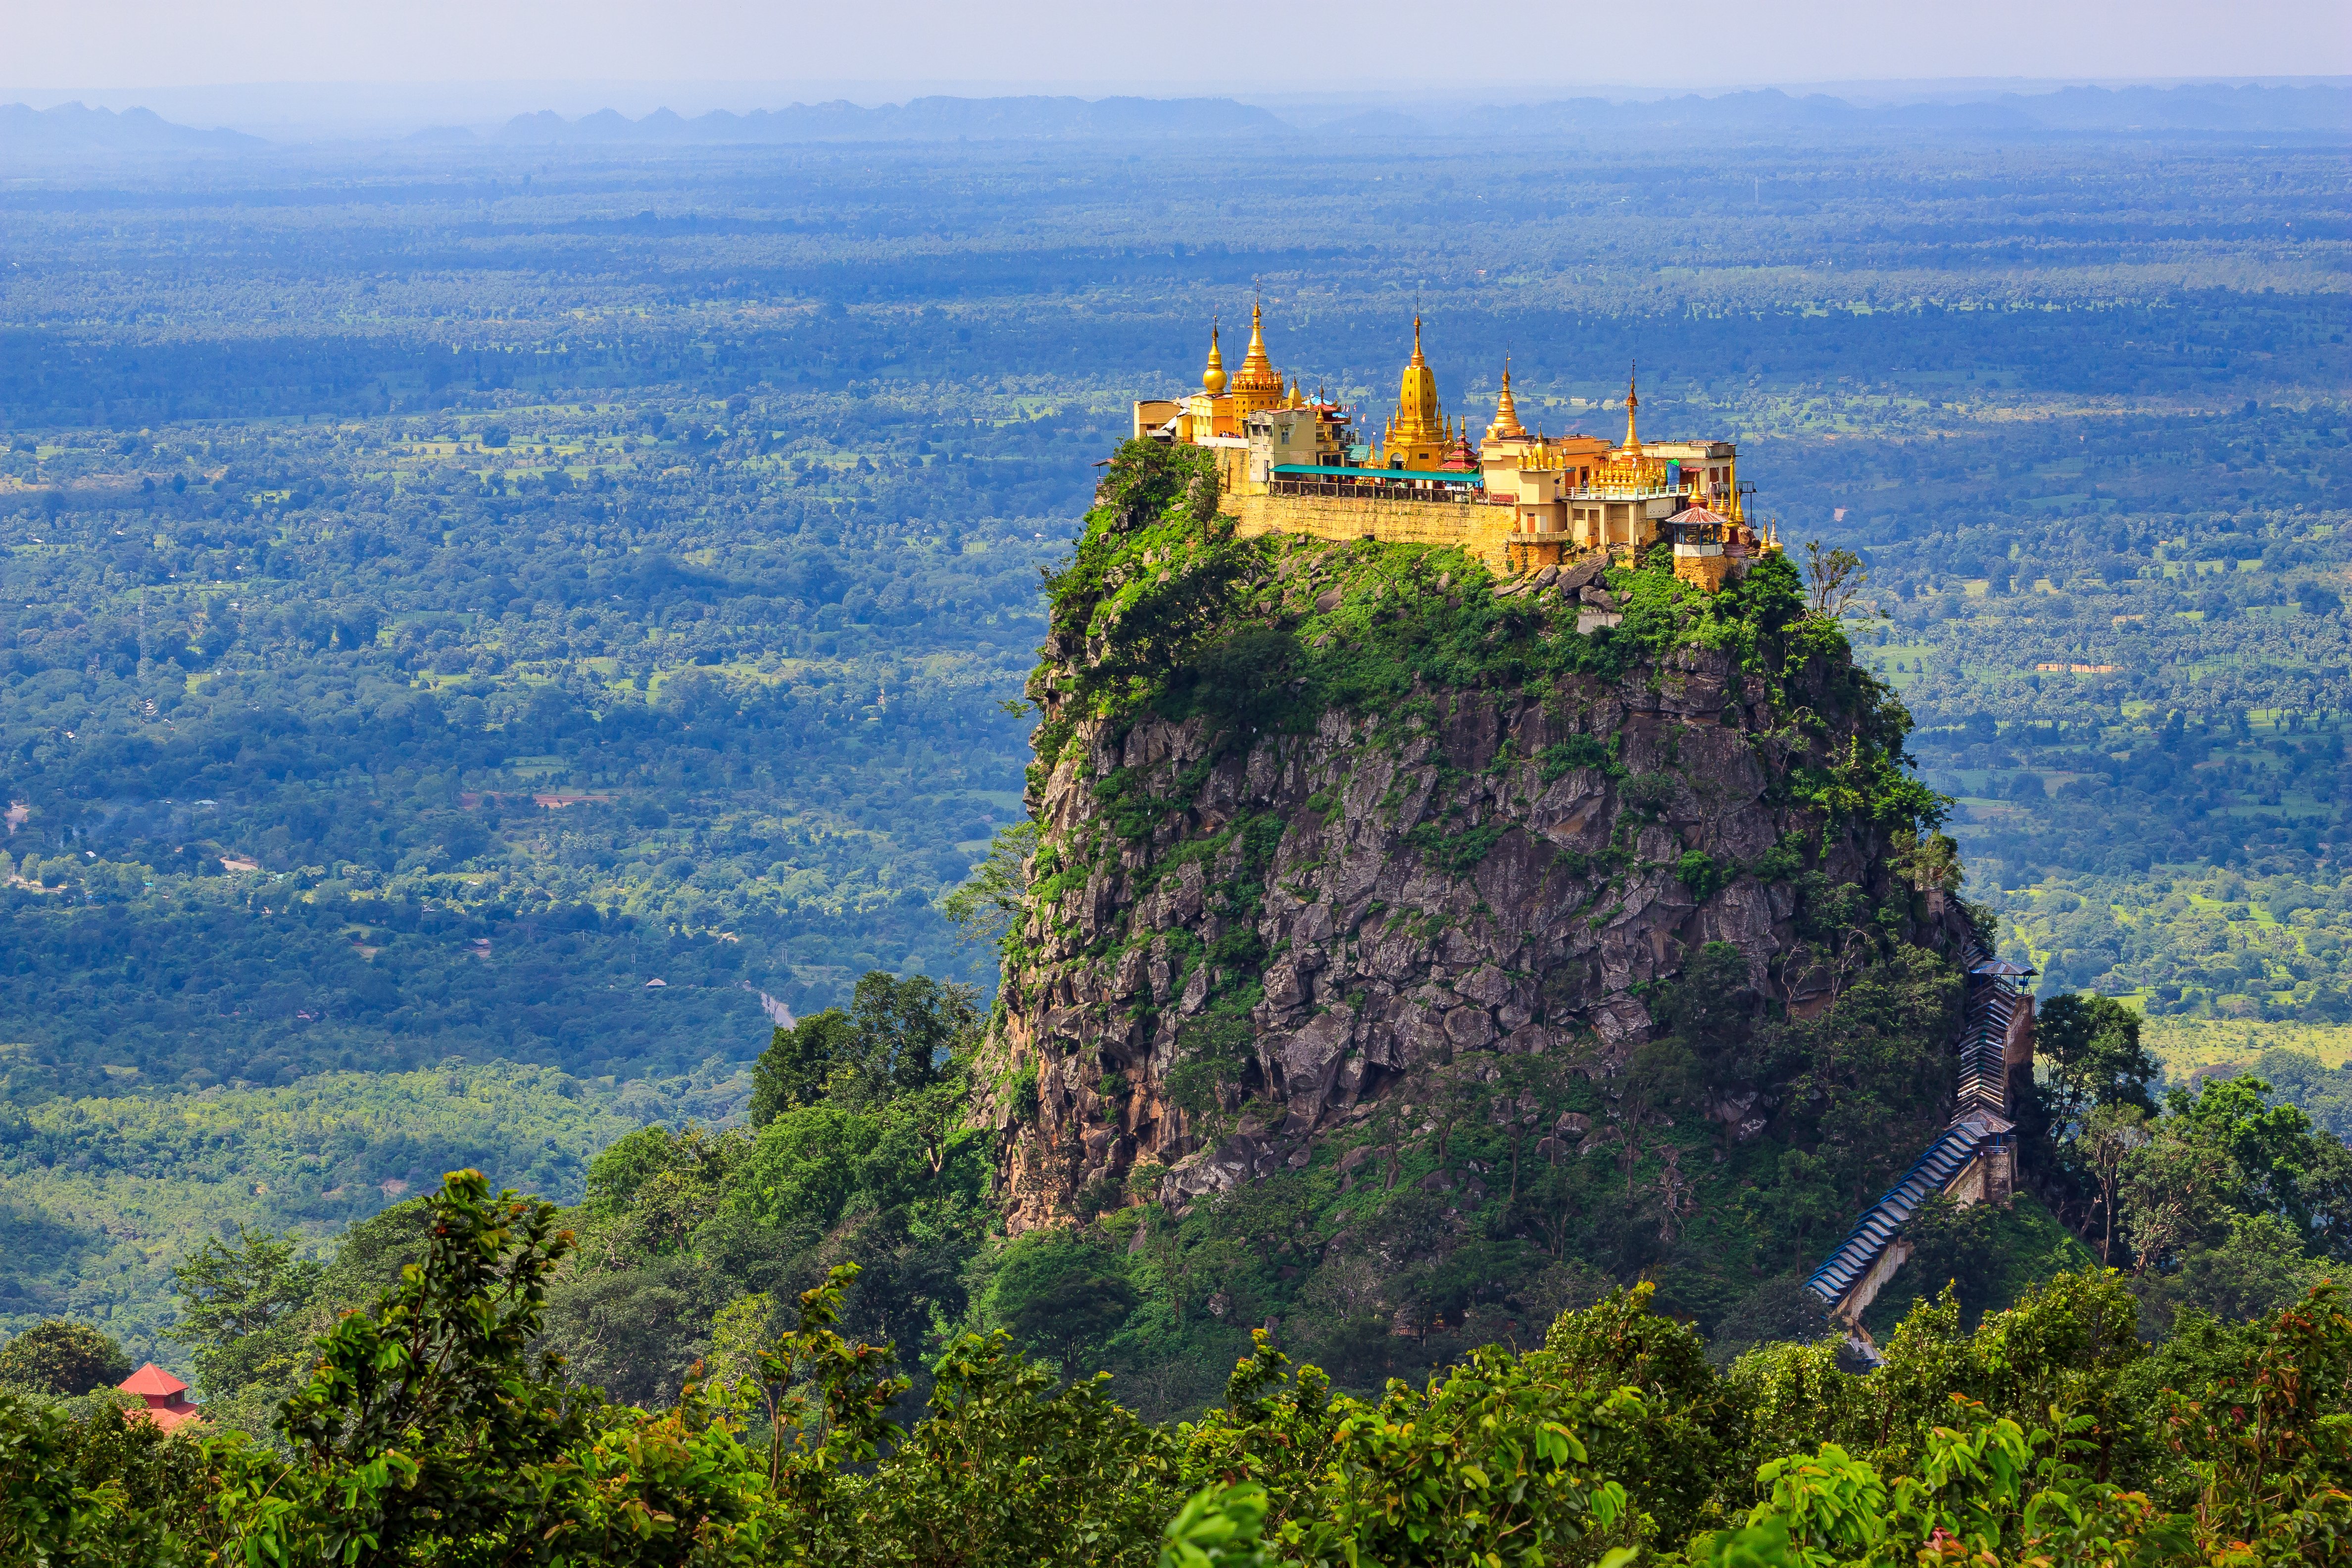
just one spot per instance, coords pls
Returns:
(1418, 437)
(1257, 385)
(1507, 425)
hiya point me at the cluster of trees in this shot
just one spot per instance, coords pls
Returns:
(1473, 1204)
(433, 1426)
(791, 726)
(2222, 1198)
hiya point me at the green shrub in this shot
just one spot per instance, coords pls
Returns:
(63, 1359)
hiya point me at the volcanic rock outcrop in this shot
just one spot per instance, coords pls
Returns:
(1257, 900)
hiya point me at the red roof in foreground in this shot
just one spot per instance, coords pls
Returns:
(152, 1379)
(166, 1395)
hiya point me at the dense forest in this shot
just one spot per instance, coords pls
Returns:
(486, 636)
(455, 1415)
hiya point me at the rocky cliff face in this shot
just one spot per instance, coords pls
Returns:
(1410, 814)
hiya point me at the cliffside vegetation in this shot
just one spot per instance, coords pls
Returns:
(1715, 1148)
(1160, 609)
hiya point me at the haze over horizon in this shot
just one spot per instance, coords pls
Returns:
(327, 112)
(486, 61)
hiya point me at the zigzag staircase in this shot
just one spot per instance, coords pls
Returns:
(1980, 1131)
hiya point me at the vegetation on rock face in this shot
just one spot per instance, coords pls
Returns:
(1161, 610)
(1483, 1187)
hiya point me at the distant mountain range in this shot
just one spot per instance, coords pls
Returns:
(2219, 109)
(921, 119)
(2195, 107)
(71, 128)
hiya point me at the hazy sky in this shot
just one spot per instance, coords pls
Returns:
(1099, 45)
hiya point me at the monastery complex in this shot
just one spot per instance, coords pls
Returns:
(1291, 464)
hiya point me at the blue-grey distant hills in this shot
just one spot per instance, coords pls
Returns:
(921, 120)
(75, 128)
(2323, 109)
(2195, 108)
(2326, 108)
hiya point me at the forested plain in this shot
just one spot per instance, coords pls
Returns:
(449, 594)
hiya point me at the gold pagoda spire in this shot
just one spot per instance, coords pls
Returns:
(1507, 425)
(1258, 372)
(1632, 406)
(1213, 380)
(1420, 421)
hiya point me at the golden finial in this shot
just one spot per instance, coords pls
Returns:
(1507, 425)
(1632, 403)
(1258, 372)
(1213, 380)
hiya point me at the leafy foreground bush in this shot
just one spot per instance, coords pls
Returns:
(63, 1358)
(430, 1433)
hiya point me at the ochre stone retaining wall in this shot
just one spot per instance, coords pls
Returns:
(1479, 528)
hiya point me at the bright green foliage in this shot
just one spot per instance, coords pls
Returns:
(1986, 1490)
(826, 1401)
(1011, 1466)
(2278, 1163)
(897, 1035)
(424, 1423)
(252, 1346)
(1056, 1294)
(63, 1359)
(880, 1167)
(2185, 1184)
(1219, 1527)
(1668, 1458)
(2269, 1441)
(1489, 1464)
(2091, 1045)
(2063, 1345)
(427, 1435)
(1532, 1458)
(230, 1299)
(98, 1491)
(2259, 1267)
(984, 906)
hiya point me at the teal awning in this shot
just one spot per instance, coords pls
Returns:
(1294, 470)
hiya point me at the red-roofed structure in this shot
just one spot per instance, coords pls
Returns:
(166, 1396)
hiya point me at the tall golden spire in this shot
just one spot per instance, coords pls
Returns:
(1213, 380)
(1258, 372)
(1633, 403)
(1420, 421)
(1507, 425)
